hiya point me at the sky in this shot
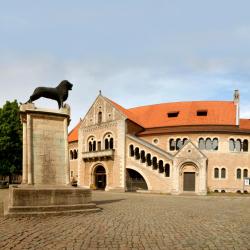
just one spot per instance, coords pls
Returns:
(137, 52)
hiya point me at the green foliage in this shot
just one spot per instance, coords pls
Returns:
(10, 139)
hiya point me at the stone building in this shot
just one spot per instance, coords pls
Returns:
(179, 147)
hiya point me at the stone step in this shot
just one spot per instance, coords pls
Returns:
(50, 210)
(20, 209)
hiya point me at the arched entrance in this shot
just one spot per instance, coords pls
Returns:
(100, 177)
(189, 180)
(135, 181)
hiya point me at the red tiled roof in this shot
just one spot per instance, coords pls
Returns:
(244, 123)
(218, 113)
(131, 116)
(73, 134)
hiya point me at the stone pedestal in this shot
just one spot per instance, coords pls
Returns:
(46, 181)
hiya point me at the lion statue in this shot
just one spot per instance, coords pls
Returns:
(59, 94)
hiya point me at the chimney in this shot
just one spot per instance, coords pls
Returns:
(237, 103)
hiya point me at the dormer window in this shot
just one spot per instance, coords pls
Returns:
(173, 114)
(202, 113)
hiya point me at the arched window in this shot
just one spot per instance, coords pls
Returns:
(201, 144)
(90, 146)
(215, 143)
(155, 165)
(179, 144)
(75, 154)
(172, 145)
(216, 173)
(99, 117)
(208, 144)
(71, 155)
(131, 150)
(167, 170)
(143, 158)
(238, 145)
(245, 173)
(238, 173)
(106, 143)
(231, 145)
(245, 145)
(148, 159)
(161, 169)
(223, 173)
(111, 143)
(185, 140)
(137, 154)
(94, 145)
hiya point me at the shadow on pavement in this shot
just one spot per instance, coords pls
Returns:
(106, 201)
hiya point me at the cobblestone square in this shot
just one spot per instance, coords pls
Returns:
(137, 221)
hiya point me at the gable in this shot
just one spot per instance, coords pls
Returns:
(107, 110)
(190, 151)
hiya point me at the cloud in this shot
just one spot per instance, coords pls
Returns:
(129, 86)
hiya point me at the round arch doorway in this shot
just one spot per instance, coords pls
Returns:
(100, 177)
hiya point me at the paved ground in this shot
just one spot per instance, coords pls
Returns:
(137, 221)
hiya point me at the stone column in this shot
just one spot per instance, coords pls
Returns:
(25, 165)
(29, 149)
(67, 167)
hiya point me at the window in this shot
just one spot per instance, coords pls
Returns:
(223, 173)
(167, 170)
(91, 144)
(143, 158)
(71, 155)
(161, 169)
(94, 145)
(131, 150)
(201, 144)
(216, 173)
(106, 143)
(155, 141)
(238, 145)
(231, 145)
(179, 144)
(148, 159)
(201, 113)
(71, 173)
(100, 117)
(185, 140)
(245, 145)
(137, 154)
(238, 173)
(155, 165)
(208, 144)
(245, 173)
(111, 143)
(215, 144)
(173, 114)
(172, 145)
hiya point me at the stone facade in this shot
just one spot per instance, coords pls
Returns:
(168, 170)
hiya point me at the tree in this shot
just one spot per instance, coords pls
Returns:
(10, 139)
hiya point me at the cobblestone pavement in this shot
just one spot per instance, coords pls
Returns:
(137, 221)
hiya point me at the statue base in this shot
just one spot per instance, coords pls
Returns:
(39, 200)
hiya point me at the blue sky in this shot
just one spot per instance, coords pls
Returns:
(137, 52)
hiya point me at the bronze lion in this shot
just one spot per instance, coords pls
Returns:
(59, 94)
